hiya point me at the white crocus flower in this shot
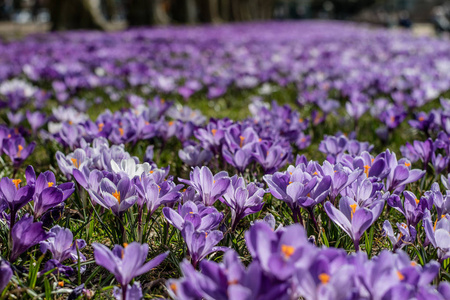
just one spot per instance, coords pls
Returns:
(129, 167)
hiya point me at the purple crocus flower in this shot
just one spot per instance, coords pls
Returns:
(438, 234)
(400, 174)
(36, 120)
(242, 199)
(62, 247)
(17, 150)
(154, 195)
(421, 150)
(279, 253)
(412, 208)
(126, 262)
(208, 186)
(201, 243)
(352, 218)
(25, 234)
(203, 218)
(15, 196)
(406, 235)
(5, 274)
(118, 197)
(195, 155)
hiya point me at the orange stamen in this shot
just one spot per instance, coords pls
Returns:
(19, 150)
(116, 195)
(400, 275)
(75, 162)
(214, 131)
(353, 206)
(100, 126)
(366, 170)
(50, 184)
(242, 140)
(287, 250)
(16, 182)
(121, 131)
(324, 278)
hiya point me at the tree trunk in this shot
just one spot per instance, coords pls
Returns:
(146, 12)
(77, 14)
(208, 11)
(184, 11)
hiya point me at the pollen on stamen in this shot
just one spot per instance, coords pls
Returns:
(353, 206)
(19, 150)
(75, 162)
(407, 164)
(16, 182)
(287, 250)
(50, 184)
(125, 245)
(324, 278)
(214, 131)
(242, 140)
(116, 195)
(400, 275)
(121, 131)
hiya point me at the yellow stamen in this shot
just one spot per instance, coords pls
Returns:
(100, 126)
(366, 170)
(315, 173)
(413, 263)
(290, 182)
(242, 140)
(151, 171)
(214, 131)
(50, 184)
(75, 162)
(174, 288)
(353, 206)
(121, 131)
(116, 195)
(125, 245)
(392, 119)
(434, 227)
(70, 122)
(303, 140)
(9, 136)
(300, 120)
(232, 282)
(400, 275)
(206, 234)
(407, 164)
(61, 283)
(287, 250)
(170, 123)
(16, 182)
(417, 201)
(324, 278)
(163, 101)
(421, 119)
(19, 150)
(260, 140)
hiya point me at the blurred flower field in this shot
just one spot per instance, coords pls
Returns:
(250, 161)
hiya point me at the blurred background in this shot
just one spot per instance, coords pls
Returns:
(21, 16)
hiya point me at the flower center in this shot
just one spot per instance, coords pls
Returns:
(242, 140)
(353, 207)
(75, 162)
(287, 250)
(170, 123)
(400, 275)
(324, 278)
(50, 184)
(116, 195)
(100, 126)
(366, 170)
(174, 288)
(417, 201)
(214, 131)
(16, 182)
(121, 131)
(421, 119)
(19, 150)
(407, 164)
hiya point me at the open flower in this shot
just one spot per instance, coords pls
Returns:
(126, 263)
(352, 218)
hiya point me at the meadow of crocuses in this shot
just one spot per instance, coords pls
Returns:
(304, 160)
